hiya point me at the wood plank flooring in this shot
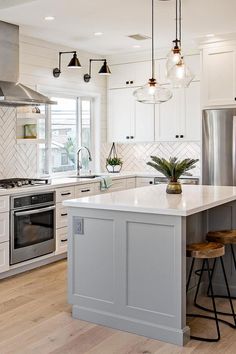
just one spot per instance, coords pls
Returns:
(35, 319)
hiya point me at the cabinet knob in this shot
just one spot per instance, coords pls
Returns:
(127, 137)
(177, 136)
(127, 82)
(235, 98)
(131, 82)
(181, 136)
(132, 137)
(150, 182)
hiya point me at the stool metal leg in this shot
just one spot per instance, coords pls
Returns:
(218, 296)
(215, 318)
(190, 274)
(233, 254)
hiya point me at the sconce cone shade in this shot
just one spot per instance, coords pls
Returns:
(152, 93)
(74, 63)
(180, 75)
(105, 70)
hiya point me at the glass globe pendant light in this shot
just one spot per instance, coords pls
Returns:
(174, 56)
(178, 72)
(152, 92)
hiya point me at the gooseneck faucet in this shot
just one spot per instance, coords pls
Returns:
(79, 163)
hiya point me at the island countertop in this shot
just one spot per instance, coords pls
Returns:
(155, 200)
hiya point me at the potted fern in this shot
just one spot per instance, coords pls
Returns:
(172, 169)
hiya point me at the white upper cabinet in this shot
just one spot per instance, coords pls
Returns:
(129, 75)
(129, 120)
(219, 76)
(179, 119)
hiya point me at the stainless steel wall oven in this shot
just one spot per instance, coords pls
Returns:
(32, 226)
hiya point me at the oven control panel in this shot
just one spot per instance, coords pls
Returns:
(32, 200)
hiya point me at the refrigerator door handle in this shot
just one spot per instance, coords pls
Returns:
(234, 151)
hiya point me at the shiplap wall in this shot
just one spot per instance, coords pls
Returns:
(37, 60)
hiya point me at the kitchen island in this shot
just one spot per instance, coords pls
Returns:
(127, 262)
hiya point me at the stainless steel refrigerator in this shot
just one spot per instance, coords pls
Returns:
(219, 147)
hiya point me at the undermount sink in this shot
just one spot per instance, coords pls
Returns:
(84, 176)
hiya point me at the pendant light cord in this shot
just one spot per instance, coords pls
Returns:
(180, 22)
(176, 21)
(153, 62)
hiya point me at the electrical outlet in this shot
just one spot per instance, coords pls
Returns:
(78, 225)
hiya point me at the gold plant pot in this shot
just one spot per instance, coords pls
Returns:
(174, 188)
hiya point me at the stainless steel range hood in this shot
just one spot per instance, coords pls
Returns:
(12, 92)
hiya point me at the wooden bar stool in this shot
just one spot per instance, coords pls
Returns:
(206, 251)
(226, 237)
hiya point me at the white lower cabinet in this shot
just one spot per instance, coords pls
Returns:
(61, 240)
(84, 190)
(4, 256)
(4, 227)
(144, 181)
(130, 183)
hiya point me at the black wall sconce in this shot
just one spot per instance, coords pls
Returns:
(103, 71)
(74, 63)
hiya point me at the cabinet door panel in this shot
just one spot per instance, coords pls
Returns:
(192, 112)
(219, 73)
(129, 75)
(167, 117)
(121, 111)
(144, 122)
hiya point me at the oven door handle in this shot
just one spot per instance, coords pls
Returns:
(34, 211)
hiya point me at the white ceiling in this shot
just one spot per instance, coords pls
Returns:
(77, 20)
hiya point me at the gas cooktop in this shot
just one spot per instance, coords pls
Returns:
(22, 182)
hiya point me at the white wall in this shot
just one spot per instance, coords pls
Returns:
(37, 60)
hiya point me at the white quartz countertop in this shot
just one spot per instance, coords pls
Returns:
(155, 200)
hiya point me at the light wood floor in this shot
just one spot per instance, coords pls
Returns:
(35, 319)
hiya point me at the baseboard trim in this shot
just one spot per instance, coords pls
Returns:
(150, 330)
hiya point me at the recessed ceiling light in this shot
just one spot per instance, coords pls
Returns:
(209, 35)
(136, 46)
(49, 18)
(98, 33)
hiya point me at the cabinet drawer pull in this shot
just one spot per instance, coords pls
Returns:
(65, 214)
(132, 137)
(127, 137)
(177, 136)
(131, 82)
(63, 194)
(127, 82)
(85, 190)
(181, 136)
(64, 240)
(151, 182)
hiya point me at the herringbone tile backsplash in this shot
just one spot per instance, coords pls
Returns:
(135, 156)
(16, 160)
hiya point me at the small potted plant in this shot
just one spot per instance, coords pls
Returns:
(113, 162)
(172, 169)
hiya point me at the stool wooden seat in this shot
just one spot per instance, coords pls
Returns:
(205, 250)
(223, 236)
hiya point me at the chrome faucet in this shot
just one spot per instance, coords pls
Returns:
(79, 163)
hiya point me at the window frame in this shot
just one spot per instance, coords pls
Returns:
(48, 133)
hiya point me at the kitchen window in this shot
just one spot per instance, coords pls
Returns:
(68, 126)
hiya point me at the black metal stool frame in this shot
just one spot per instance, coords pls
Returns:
(215, 318)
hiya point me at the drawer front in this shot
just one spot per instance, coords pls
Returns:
(4, 257)
(130, 183)
(61, 240)
(144, 181)
(4, 227)
(118, 185)
(61, 216)
(64, 194)
(84, 190)
(4, 204)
